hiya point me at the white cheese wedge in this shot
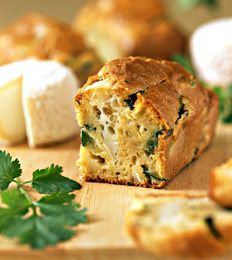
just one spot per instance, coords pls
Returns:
(36, 101)
(48, 91)
(12, 126)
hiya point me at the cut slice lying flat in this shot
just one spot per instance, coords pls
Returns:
(180, 227)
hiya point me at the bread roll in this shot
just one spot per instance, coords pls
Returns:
(119, 28)
(42, 37)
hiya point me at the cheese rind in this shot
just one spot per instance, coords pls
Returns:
(48, 91)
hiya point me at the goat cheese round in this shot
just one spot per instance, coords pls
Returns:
(211, 51)
(36, 101)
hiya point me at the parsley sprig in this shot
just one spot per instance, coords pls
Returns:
(224, 94)
(43, 222)
(188, 4)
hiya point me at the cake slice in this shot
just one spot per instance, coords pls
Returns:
(180, 227)
(142, 121)
(220, 184)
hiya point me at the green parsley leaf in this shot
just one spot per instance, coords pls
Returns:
(50, 180)
(39, 231)
(85, 138)
(57, 205)
(58, 213)
(188, 4)
(9, 170)
(225, 103)
(16, 204)
(44, 222)
(16, 200)
(153, 141)
(184, 62)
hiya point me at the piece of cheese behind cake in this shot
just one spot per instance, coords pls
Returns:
(48, 91)
(180, 227)
(12, 126)
(220, 184)
(36, 100)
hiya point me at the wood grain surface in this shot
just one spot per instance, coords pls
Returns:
(104, 237)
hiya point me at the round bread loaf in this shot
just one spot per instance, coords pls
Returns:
(42, 37)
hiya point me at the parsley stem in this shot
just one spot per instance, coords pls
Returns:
(18, 183)
(34, 209)
(26, 194)
(26, 182)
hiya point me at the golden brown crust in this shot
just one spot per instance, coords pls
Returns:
(220, 188)
(142, 27)
(187, 111)
(39, 36)
(119, 9)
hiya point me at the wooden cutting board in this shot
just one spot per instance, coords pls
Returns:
(104, 237)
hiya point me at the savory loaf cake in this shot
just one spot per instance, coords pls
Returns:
(142, 121)
(220, 185)
(190, 228)
(42, 37)
(120, 28)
